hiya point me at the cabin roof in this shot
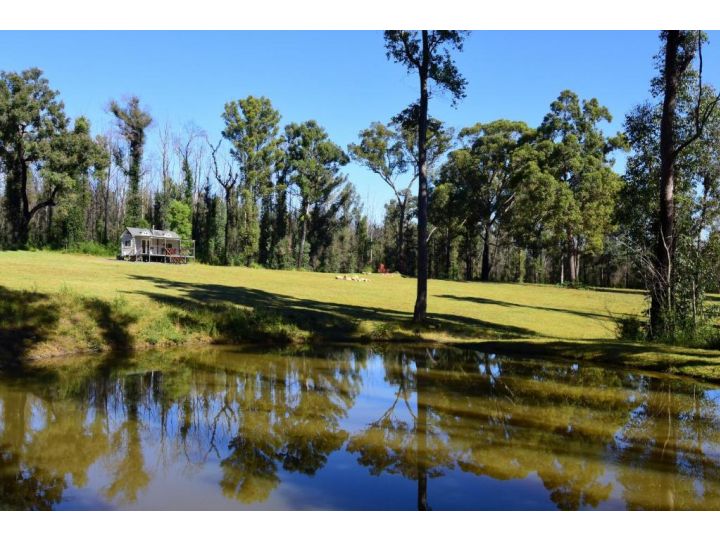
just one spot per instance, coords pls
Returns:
(152, 233)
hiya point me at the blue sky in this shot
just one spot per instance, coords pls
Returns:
(341, 79)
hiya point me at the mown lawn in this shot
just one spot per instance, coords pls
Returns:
(101, 304)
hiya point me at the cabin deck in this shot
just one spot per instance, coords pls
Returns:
(147, 257)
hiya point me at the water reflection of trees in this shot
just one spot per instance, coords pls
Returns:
(288, 416)
(513, 418)
(589, 435)
(22, 487)
(675, 433)
(255, 416)
(402, 440)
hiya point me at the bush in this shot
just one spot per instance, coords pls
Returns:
(632, 328)
(703, 334)
(240, 324)
(92, 248)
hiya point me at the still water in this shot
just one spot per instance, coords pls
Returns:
(354, 428)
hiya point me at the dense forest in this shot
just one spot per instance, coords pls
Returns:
(499, 200)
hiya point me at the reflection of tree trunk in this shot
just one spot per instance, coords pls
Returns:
(663, 453)
(421, 442)
(14, 420)
(671, 439)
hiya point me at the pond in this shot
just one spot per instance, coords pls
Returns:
(354, 428)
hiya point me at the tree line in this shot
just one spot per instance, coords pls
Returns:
(498, 200)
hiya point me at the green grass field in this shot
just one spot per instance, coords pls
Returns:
(56, 303)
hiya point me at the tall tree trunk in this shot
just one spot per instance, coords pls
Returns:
(573, 259)
(448, 253)
(469, 263)
(106, 210)
(707, 184)
(401, 238)
(229, 223)
(50, 213)
(266, 232)
(303, 233)
(420, 311)
(279, 231)
(573, 268)
(485, 271)
(23, 233)
(661, 287)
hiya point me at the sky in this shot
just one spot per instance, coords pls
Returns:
(341, 79)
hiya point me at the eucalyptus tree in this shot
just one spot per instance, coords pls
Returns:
(108, 143)
(280, 246)
(76, 157)
(680, 49)
(132, 122)
(382, 151)
(38, 149)
(189, 153)
(427, 53)
(580, 158)
(437, 142)
(447, 215)
(486, 170)
(314, 163)
(696, 206)
(227, 177)
(31, 117)
(390, 151)
(252, 127)
(330, 235)
(541, 204)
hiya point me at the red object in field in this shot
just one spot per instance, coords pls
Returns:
(382, 269)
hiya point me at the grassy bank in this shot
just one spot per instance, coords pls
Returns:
(53, 303)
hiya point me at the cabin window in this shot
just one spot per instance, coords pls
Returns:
(127, 243)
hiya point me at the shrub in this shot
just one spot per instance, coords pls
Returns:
(632, 328)
(241, 324)
(92, 248)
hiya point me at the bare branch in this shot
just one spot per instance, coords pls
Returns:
(700, 119)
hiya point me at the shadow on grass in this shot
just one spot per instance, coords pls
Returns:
(113, 325)
(30, 319)
(26, 318)
(696, 363)
(480, 300)
(618, 291)
(328, 320)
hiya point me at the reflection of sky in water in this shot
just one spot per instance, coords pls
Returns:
(345, 429)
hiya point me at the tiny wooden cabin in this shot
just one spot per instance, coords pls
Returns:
(154, 245)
